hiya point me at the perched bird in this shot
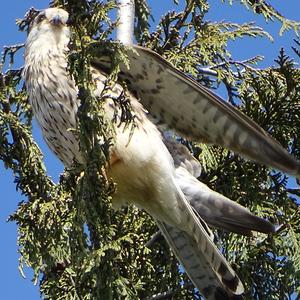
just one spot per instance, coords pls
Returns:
(152, 172)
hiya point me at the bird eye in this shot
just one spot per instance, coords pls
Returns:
(40, 18)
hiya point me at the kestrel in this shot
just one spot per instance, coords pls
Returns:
(151, 171)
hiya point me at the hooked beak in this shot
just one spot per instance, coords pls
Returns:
(56, 20)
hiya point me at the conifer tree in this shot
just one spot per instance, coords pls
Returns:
(68, 233)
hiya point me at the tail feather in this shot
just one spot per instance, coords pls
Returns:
(210, 273)
(205, 265)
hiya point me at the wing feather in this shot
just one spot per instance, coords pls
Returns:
(195, 112)
(217, 210)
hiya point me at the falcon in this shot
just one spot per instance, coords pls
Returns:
(151, 171)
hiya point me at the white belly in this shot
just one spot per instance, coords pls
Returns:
(144, 173)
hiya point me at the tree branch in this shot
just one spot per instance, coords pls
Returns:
(126, 12)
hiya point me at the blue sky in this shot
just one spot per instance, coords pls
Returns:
(12, 285)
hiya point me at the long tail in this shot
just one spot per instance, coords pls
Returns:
(205, 265)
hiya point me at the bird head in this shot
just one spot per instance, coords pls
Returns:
(49, 29)
(51, 17)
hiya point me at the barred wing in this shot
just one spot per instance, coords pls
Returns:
(195, 112)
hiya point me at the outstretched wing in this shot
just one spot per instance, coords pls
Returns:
(195, 112)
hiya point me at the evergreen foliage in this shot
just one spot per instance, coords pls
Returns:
(77, 245)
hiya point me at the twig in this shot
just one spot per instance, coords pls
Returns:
(294, 191)
(9, 73)
(126, 12)
(184, 15)
(281, 228)
(153, 239)
(160, 296)
(243, 63)
(207, 71)
(9, 50)
(169, 35)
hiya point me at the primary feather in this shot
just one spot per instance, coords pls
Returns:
(174, 99)
(212, 207)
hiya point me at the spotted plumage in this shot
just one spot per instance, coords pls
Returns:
(217, 122)
(152, 171)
